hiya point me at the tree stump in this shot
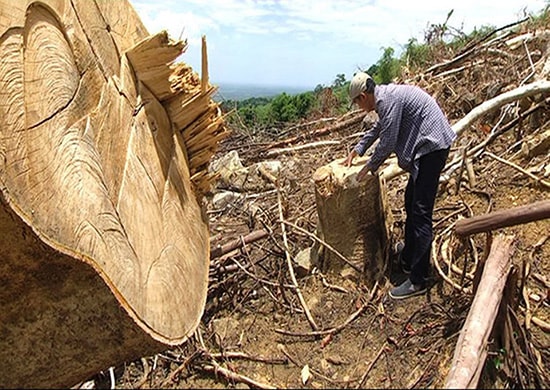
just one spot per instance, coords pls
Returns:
(104, 149)
(352, 220)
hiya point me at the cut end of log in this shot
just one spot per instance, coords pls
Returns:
(334, 173)
(105, 152)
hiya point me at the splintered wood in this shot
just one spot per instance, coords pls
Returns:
(352, 220)
(104, 150)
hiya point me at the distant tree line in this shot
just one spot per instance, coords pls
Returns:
(278, 111)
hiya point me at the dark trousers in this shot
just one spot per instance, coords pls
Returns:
(419, 204)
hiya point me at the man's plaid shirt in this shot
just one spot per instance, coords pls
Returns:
(410, 123)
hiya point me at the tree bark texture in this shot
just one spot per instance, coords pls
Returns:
(503, 218)
(471, 348)
(352, 219)
(104, 148)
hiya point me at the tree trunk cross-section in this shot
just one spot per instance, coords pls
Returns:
(105, 143)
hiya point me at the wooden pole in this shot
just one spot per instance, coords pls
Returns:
(471, 350)
(503, 218)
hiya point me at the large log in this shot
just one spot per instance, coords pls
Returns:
(104, 151)
(352, 220)
(503, 218)
(471, 348)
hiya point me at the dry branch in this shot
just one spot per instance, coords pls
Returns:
(221, 250)
(503, 218)
(470, 352)
(291, 268)
(316, 133)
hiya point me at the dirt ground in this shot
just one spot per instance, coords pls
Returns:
(255, 332)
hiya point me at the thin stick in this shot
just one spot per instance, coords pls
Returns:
(282, 348)
(289, 264)
(217, 369)
(371, 365)
(518, 168)
(242, 355)
(355, 267)
(334, 330)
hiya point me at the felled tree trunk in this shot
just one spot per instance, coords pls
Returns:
(104, 152)
(471, 348)
(352, 220)
(503, 218)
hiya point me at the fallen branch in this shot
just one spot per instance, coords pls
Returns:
(484, 108)
(233, 376)
(316, 133)
(221, 250)
(520, 169)
(371, 365)
(338, 328)
(471, 351)
(313, 236)
(276, 152)
(290, 268)
(503, 218)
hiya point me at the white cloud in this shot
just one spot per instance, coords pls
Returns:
(246, 31)
(373, 23)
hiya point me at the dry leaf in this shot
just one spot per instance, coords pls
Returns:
(305, 374)
(326, 340)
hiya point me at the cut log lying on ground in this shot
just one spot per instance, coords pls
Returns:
(503, 218)
(471, 348)
(104, 146)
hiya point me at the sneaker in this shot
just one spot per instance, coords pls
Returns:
(399, 250)
(407, 289)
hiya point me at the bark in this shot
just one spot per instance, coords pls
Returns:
(104, 145)
(503, 218)
(471, 348)
(536, 145)
(352, 219)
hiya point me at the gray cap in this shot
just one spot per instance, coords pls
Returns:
(358, 84)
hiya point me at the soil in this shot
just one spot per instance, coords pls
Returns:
(255, 333)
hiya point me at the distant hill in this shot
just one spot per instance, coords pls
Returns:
(243, 91)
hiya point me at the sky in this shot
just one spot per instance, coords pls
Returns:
(305, 43)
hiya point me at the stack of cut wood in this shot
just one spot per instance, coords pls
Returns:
(105, 143)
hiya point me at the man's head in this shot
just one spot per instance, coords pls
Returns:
(361, 91)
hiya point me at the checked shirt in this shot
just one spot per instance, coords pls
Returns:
(410, 124)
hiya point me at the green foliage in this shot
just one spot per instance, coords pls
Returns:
(541, 19)
(261, 112)
(388, 67)
(416, 55)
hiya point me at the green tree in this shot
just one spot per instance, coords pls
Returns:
(304, 102)
(388, 67)
(339, 81)
(283, 108)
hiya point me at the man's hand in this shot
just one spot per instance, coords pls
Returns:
(363, 173)
(347, 162)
